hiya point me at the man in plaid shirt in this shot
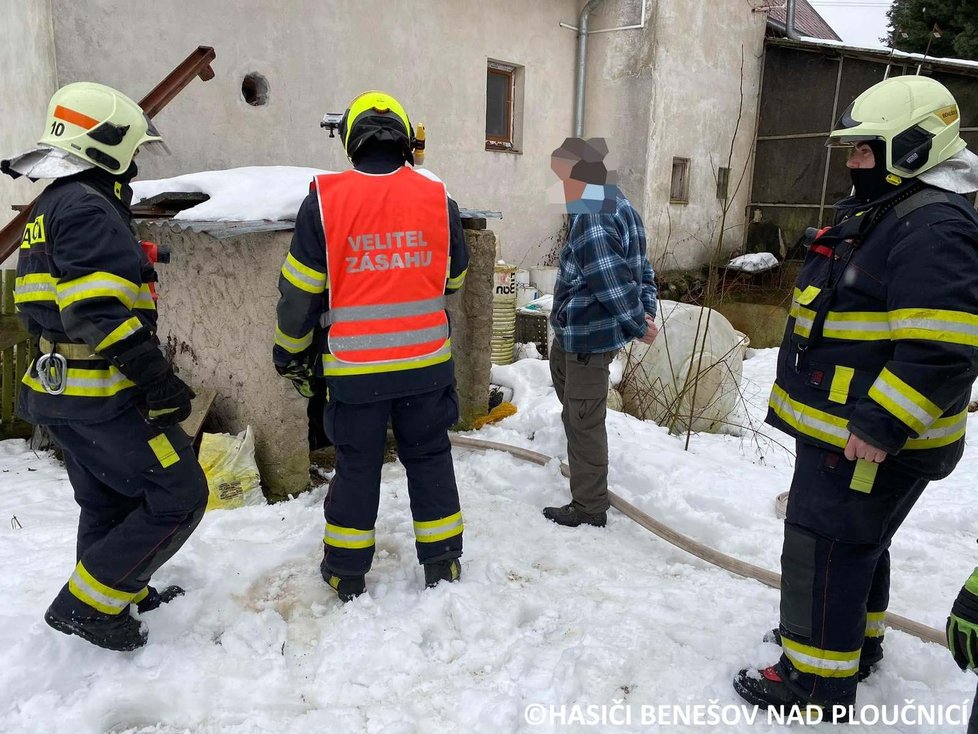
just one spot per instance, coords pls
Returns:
(605, 297)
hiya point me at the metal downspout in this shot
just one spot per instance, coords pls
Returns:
(582, 65)
(789, 21)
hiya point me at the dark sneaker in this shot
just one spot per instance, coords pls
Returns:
(154, 599)
(449, 570)
(570, 516)
(766, 689)
(867, 663)
(112, 631)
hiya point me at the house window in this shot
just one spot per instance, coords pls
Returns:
(679, 190)
(723, 183)
(504, 106)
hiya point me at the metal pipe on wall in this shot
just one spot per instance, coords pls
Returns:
(789, 21)
(582, 66)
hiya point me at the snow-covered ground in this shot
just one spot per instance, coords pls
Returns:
(544, 615)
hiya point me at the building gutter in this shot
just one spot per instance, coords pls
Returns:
(789, 21)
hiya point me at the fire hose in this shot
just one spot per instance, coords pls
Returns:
(685, 543)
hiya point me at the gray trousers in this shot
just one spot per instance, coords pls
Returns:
(581, 382)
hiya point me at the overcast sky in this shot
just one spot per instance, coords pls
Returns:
(858, 22)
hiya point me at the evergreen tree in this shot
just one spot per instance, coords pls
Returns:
(912, 23)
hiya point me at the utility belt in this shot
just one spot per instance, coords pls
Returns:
(52, 363)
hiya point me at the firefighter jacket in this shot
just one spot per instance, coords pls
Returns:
(882, 334)
(83, 278)
(373, 255)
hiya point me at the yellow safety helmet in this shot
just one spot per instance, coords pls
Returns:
(915, 116)
(375, 117)
(98, 124)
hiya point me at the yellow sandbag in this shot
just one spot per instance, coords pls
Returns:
(503, 410)
(232, 474)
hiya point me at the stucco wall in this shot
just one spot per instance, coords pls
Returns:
(27, 81)
(316, 56)
(694, 109)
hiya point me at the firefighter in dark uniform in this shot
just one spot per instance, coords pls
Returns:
(873, 380)
(100, 383)
(375, 251)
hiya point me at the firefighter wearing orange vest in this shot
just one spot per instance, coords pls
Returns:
(376, 250)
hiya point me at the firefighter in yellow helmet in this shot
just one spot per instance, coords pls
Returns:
(874, 377)
(100, 383)
(376, 250)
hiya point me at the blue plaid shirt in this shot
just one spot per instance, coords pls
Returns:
(605, 285)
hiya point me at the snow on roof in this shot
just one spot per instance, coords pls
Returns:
(247, 194)
(882, 52)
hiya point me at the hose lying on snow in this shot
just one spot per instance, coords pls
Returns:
(714, 557)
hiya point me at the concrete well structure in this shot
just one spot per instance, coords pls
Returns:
(217, 315)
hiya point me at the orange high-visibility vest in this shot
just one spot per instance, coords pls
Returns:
(387, 254)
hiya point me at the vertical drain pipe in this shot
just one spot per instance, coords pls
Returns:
(582, 65)
(789, 21)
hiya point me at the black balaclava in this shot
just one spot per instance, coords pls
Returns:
(870, 183)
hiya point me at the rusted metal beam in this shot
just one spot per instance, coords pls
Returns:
(196, 64)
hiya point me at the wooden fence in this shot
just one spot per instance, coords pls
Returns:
(15, 351)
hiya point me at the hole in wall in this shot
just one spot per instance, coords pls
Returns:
(254, 89)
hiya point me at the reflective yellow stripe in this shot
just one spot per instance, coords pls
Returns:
(95, 594)
(875, 624)
(804, 297)
(140, 595)
(99, 383)
(97, 285)
(433, 531)
(839, 390)
(145, 299)
(808, 420)
(127, 328)
(457, 281)
(904, 402)
(165, 453)
(352, 538)
(857, 325)
(35, 287)
(953, 327)
(290, 344)
(864, 475)
(824, 663)
(942, 432)
(333, 366)
(302, 276)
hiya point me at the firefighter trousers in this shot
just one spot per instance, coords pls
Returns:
(359, 432)
(141, 492)
(835, 568)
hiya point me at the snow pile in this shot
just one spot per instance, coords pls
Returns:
(241, 194)
(544, 615)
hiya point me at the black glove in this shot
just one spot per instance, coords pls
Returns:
(140, 359)
(300, 372)
(962, 625)
(168, 401)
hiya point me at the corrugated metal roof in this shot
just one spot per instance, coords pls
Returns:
(807, 21)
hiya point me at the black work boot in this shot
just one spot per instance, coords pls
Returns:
(872, 654)
(154, 599)
(767, 689)
(347, 588)
(571, 516)
(449, 569)
(112, 631)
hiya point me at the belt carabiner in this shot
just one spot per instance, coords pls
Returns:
(52, 372)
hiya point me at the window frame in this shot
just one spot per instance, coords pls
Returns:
(505, 143)
(682, 166)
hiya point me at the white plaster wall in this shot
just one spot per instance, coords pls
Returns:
(317, 55)
(694, 108)
(28, 78)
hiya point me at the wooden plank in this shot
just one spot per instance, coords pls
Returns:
(200, 407)
(11, 331)
(175, 200)
(7, 385)
(7, 278)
